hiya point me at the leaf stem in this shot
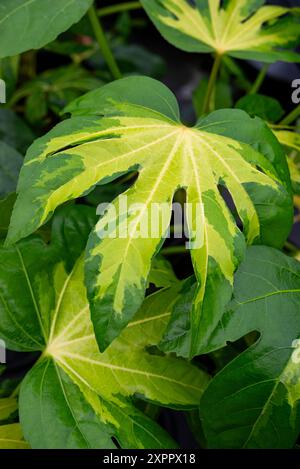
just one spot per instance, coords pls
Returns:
(211, 82)
(103, 43)
(118, 8)
(291, 117)
(259, 79)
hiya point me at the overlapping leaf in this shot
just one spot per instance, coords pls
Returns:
(10, 165)
(53, 90)
(11, 437)
(254, 401)
(31, 24)
(8, 406)
(89, 393)
(142, 131)
(14, 132)
(161, 274)
(265, 107)
(291, 140)
(239, 28)
(271, 111)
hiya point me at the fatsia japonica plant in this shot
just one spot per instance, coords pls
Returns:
(86, 291)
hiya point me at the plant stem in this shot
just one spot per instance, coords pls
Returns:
(291, 117)
(259, 79)
(211, 82)
(282, 127)
(103, 44)
(118, 8)
(16, 391)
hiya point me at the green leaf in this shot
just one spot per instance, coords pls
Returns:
(254, 401)
(239, 28)
(288, 138)
(70, 230)
(9, 73)
(50, 400)
(235, 69)
(14, 131)
(123, 370)
(7, 407)
(291, 140)
(11, 437)
(161, 274)
(222, 95)
(10, 165)
(265, 107)
(36, 106)
(226, 148)
(126, 367)
(53, 90)
(133, 58)
(6, 208)
(30, 24)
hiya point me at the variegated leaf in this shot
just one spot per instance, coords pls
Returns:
(240, 28)
(89, 393)
(142, 131)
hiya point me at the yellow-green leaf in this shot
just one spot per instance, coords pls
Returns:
(291, 140)
(240, 28)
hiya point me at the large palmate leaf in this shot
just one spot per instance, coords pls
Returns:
(80, 397)
(6, 208)
(142, 131)
(123, 370)
(31, 24)
(11, 437)
(254, 401)
(239, 28)
(271, 111)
